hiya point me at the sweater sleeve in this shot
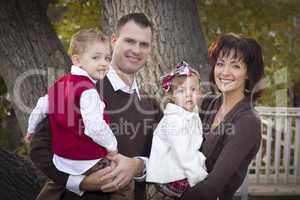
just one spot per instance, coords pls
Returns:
(246, 138)
(41, 153)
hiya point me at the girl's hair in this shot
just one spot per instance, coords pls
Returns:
(81, 40)
(244, 48)
(176, 81)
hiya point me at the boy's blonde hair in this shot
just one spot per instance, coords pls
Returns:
(83, 38)
(177, 81)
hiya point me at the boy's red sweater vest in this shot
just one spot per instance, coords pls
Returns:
(68, 138)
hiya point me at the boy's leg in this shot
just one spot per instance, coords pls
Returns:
(51, 191)
(101, 164)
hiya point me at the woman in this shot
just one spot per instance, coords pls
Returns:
(232, 129)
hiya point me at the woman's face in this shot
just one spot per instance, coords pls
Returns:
(230, 74)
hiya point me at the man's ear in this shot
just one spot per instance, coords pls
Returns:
(113, 39)
(75, 60)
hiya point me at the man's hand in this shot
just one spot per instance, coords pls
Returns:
(123, 173)
(95, 181)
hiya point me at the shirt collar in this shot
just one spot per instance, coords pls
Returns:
(75, 70)
(118, 84)
(172, 108)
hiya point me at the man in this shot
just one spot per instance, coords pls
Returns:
(133, 117)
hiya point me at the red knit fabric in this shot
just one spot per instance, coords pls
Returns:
(68, 138)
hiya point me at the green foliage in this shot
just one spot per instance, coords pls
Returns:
(69, 16)
(276, 26)
(23, 150)
(274, 23)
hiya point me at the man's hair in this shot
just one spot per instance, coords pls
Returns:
(139, 18)
(80, 40)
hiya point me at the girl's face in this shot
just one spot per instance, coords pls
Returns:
(187, 94)
(230, 74)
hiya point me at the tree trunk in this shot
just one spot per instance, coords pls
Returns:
(177, 36)
(29, 48)
(19, 179)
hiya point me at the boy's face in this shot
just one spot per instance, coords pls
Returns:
(94, 60)
(187, 94)
(131, 47)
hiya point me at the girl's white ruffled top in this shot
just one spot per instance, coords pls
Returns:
(175, 148)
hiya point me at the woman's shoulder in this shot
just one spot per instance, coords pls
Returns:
(245, 111)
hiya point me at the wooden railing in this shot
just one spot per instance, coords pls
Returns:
(278, 160)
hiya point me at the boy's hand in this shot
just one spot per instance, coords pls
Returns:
(28, 137)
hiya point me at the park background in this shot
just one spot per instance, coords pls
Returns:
(35, 35)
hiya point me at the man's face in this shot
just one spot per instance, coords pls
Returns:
(131, 48)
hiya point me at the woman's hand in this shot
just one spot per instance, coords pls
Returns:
(126, 168)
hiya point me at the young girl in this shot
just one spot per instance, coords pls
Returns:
(175, 161)
(81, 137)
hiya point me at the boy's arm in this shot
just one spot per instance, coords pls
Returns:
(38, 114)
(91, 109)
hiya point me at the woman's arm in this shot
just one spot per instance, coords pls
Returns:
(240, 148)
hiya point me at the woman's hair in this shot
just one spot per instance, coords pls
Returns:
(245, 48)
(176, 81)
(83, 38)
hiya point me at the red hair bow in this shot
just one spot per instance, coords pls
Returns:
(182, 69)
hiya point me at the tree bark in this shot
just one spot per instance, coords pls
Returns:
(19, 179)
(31, 56)
(177, 36)
(29, 49)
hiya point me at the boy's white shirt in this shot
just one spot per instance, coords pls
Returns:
(91, 109)
(175, 148)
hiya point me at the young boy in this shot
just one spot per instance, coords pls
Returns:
(81, 136)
